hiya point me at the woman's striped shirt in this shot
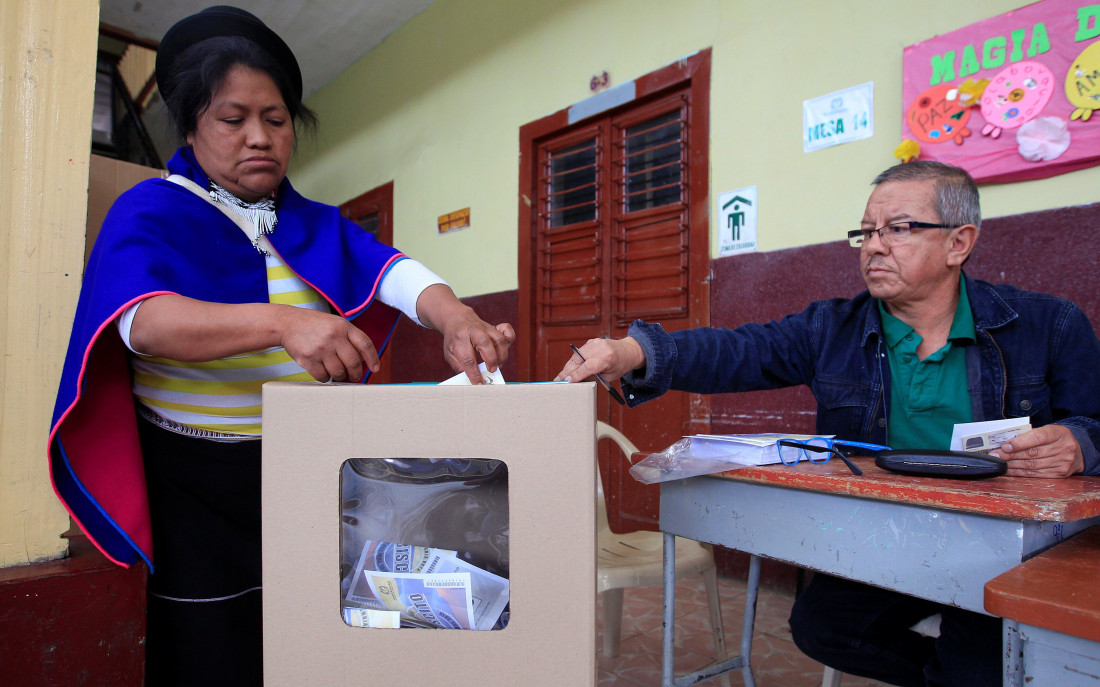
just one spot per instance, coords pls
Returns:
(224, 396)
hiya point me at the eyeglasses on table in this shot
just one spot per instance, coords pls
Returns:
(821, 449)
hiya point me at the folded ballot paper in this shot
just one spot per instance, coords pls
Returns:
(486, 376)
(706, 454)
(397, 585)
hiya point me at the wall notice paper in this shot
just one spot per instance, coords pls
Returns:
(983, 437)
(737, 221)
(488, 377)
(838, 117)
(706, 454)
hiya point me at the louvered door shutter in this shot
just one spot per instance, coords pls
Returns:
(650, 238)
(571, 235)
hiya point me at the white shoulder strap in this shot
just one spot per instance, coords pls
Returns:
(262, 243)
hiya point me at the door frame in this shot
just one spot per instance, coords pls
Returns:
(692, 72)
(379, 199)
(631, 505)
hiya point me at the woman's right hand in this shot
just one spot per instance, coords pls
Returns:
(327, 346)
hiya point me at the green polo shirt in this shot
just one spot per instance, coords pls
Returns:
(927, 397)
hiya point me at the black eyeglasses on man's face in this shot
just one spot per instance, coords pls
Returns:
(891, 234)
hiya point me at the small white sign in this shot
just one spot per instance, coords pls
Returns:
(839, 117)
(737, 217)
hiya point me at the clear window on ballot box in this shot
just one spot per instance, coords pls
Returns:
(424, 543)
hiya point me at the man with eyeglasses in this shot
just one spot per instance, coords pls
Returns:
(923, 348)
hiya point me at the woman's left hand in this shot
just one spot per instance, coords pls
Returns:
(466, 337)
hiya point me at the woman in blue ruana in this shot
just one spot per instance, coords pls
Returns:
(200, 288)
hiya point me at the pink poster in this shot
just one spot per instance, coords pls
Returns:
(1011, 97)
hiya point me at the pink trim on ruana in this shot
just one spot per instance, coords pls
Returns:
(76, 399)
(88, 352)
(377, 282)
(336, 308)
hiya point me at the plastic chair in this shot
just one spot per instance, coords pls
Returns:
(635, 559)
(831, 677)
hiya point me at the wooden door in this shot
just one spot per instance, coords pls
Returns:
(616, 230)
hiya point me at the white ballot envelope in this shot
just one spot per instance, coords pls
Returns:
(489, 377)
(983, 437)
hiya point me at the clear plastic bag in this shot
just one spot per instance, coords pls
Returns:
(707, 454)
(676, 462)
(456, 505)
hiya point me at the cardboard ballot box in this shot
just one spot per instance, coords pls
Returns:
(545, 436)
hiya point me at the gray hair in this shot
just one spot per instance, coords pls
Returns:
(956, 195)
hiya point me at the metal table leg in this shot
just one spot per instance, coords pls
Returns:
(742, 661)
(668, 629)
(1012, 660)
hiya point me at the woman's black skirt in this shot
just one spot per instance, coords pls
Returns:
(204, 600)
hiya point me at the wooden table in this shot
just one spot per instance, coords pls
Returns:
(1051, 610)
(937, 539)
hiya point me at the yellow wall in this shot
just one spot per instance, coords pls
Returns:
(437, 108)
(47, 76)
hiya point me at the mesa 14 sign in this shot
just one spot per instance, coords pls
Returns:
(839, 117)
(1008, 98)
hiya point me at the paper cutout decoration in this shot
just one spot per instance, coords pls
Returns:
(907, 150)
(1054, 33)
(970, 92)
(937, 116)
(1083, 83)
(1043, 138)
(1016, 95)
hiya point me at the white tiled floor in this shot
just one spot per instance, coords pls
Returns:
(776, 661)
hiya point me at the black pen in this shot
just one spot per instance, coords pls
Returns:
(610, 389)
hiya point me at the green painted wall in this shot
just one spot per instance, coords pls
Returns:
(438, 105)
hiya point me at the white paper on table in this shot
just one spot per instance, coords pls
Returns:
(489, 377)
(991, 434)
(705, 454)
(744, 449)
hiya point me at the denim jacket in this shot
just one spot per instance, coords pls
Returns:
(1036, 356)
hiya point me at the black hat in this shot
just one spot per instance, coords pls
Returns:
(222, 20)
